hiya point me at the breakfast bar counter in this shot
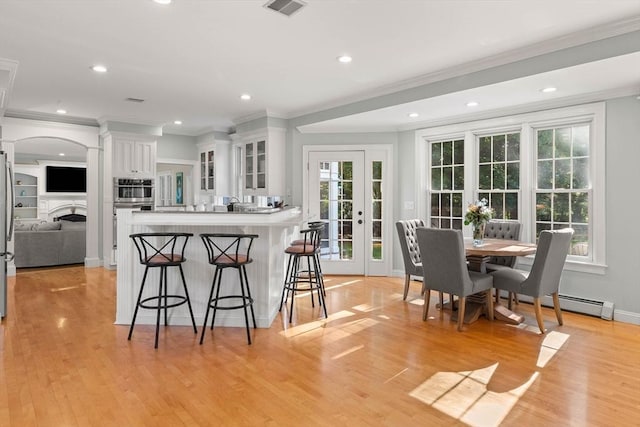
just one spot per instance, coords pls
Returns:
(275, 228)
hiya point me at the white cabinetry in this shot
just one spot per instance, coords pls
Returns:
(263, 159)
(136, 159)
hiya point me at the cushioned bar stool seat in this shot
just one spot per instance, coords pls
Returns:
(298, 280)
(224, 251)
(161, 250)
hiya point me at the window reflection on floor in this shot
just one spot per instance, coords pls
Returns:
(464, 395)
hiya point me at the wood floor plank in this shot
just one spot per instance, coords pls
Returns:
(64, 362)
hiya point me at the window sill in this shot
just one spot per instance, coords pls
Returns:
(570, 265)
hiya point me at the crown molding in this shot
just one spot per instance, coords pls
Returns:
(259, 115)
(583, 37)
(49, 117)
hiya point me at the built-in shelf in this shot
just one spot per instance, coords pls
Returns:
(26, 194)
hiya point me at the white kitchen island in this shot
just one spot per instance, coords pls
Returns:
(275, 228)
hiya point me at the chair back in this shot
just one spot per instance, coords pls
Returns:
(444, 262)
(160, 249)
(409, 244)
(508, 230)
(228, 249)
(544, 278)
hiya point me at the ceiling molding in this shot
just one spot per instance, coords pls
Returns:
(609, 30)
(49, 117)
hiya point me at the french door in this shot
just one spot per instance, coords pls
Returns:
(336, 195)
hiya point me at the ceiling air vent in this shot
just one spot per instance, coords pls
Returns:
(285, 7)
(138, 100)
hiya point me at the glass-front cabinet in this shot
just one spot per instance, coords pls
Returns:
(255, 158)
(207, 170)
(263, 162)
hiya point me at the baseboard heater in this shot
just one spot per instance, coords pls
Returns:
(602, 309)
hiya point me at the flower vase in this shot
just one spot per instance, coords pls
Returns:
(478, 233)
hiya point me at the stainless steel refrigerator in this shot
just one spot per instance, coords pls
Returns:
(6, 226)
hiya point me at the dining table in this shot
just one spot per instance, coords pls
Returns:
(478, 256)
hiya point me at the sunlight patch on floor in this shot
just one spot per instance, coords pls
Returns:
(68, 288)
(359, 325)
(346, 352)
(550, 346)
(340, 285)
(464, 396)
(397, 375)
(417, 301)
(304, 328)
(365, 308)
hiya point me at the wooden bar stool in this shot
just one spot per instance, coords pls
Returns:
(161, 250)
(229, 251)
(297, 280)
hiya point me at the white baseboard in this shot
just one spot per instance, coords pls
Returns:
(11, 269)
(92, 262)
(626, 317)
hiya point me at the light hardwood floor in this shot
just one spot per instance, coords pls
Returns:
(373, 362)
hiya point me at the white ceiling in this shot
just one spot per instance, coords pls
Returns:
(192, 59)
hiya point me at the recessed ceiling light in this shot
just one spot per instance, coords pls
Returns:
(99, 68)
(60, 154)
(345, 59)
(472, 104)
(162, 1)
(177, 122)
(549, 89)
(245, 97)
(413, 115)
(61, 111)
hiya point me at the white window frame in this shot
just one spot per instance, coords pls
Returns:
(527, 124)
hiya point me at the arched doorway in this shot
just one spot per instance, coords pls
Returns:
(20, 131)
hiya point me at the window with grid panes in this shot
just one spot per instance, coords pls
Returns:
(447, 184)
(563, 183)
(499, 173)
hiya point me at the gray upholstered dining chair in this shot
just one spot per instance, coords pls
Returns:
(410, 250)
(544, 277)
(445, 269)
(508, 230)
(498, 229)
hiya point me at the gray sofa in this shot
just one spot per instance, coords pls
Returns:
(50, 243)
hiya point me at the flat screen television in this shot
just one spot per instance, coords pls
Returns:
(66, 179)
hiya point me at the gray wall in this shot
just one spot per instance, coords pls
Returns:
(177, 147)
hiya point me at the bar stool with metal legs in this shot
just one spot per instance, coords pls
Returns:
(161, 250)
(297, 282)
(320, 226)
(229, 251)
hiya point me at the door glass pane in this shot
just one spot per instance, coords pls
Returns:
(336, 207)
(377, 211)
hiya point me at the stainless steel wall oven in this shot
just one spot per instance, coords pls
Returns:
(133, 190)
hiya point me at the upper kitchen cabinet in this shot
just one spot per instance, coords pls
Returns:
(214, 161)
(135, 159)
(207, 157)
(263, 160)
